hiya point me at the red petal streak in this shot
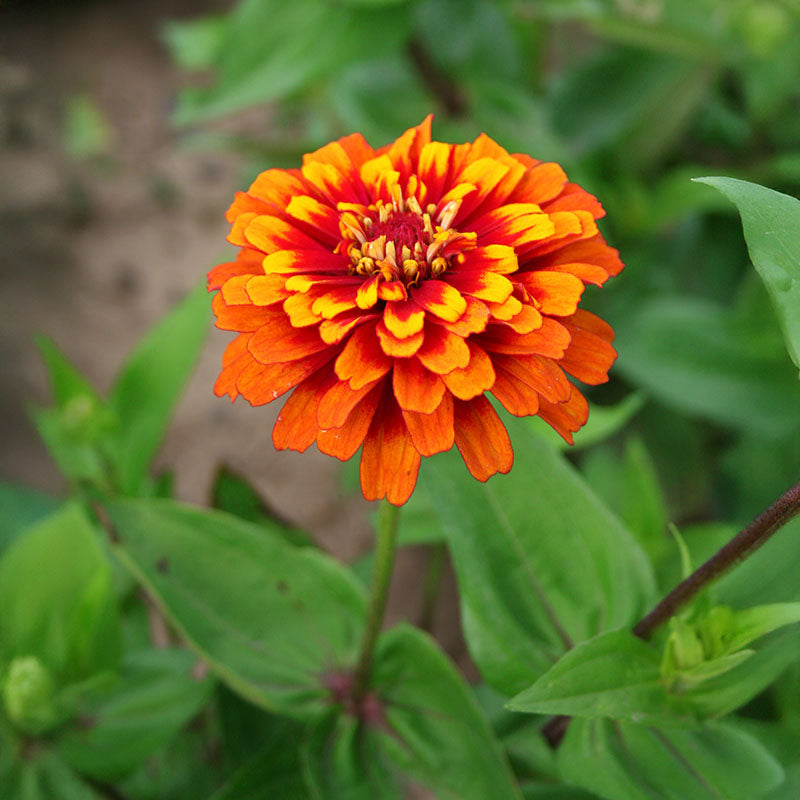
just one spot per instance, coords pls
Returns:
(248, 262)
(392, 291)
(573, 198)
(333, 331)
(362, 360)
(440, 298)
(493, 257)
(473, 320)
(432, 433)
(396, 347)
(272, 234)
(335, 301)
(483, 285)
(550, 340)
(321, 219)
(404, 318)
(290, 262)
(389, 460)
(481, 438)
(474, 379)
(587, 273)
(298, 308)
(434, 164)
(416, 388)
(442, 351)
(367, 295)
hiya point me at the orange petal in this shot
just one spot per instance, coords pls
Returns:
(240, 224)
(442, 351)
(405, 151)
(273, 234)
(334, 185)
(540, 183)
(292, 262)
(321, 220)
(335, 300)
(593, 250)
(432, 433)
(434, 164)
(484, 285)
(262, 383)
(362, 360)
(588, 273)
(439, 298)
(396, 347)
(565, 418)
(517, 397)
(573, 198)
(392, 291)
(481, 438)
(367, 295)
(264, 290)
(296, 426)
(233, 290)
(558, 293)
(298, 308)
(342, 442)
(526, 320)
(474, 379)
(498, 258)
(333, 331)
(248, 262)
(473, 320)
(337, 403)
(404, 318)
(241, 318)
(541, 374)
(389, 460)
(416, 388)
(552, 339)
(590, 354)
(276, 187)
(234, 360)
(346, 154)
(279, 342)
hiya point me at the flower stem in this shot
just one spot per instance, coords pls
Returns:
(744, 544)
(381, 576)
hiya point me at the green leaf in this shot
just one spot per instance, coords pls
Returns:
(541, 563)
(87, 131)
(626, 761)
(232, 493)
(196, 43)
(753, 623)
(697, 357)
(44, 777)
(612, 675)
(771, 222)
(150, 382)
(118, 728)
(21, 508)
(57, 600)
(272, 620)
(271, 49)
(431, 732)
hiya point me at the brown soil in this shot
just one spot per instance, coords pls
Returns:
(96, 251)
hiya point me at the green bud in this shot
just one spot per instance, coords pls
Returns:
(715, 630)
(29, 695)
(684, 649)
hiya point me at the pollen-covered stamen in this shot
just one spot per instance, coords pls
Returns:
(400, 240)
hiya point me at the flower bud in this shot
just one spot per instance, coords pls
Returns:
(28, 694)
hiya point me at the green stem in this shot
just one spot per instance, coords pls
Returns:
(381, 576)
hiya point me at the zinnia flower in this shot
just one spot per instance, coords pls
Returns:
(392, 289)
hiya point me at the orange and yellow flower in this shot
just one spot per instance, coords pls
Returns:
(392, 289)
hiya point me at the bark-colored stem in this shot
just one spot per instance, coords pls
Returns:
(381, 577)
(744, 544)
(439, 83)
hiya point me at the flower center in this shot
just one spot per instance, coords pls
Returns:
(400, 241)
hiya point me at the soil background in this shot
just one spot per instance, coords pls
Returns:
(94, 252)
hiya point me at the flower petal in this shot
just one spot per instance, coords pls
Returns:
(342, 442)
(481, 438)
(262, 383)
(404, 318)
(337, 403)
(558, 293)
(432, 433)
(416, 388)
(442, 351)
(280, 342)
(474, 379)
(396, 347)
(362, 360)
(590, 354)
(439, 298)
(296, 426)
(565, 418)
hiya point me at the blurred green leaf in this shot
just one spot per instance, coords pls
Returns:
(696, 356)
(612, 675)
(118, 728)
(57, 600)
(434, 733)
(21, 508)
(771, 223)
(541, 563)
(149, 384)
(87, 131)
(270, 49)
(626, 761)
(195, 44)
(272, 620)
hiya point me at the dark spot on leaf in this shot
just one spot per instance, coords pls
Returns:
(282, 587)
(162, 565)
(86, 722)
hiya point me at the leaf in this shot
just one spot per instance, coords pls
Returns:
(695, 356)
(21, 508)
(753, 623)
(541, 563)
(771, 222)
(273, 621)
(87, 131)
(56, 596)
(432, 733)
(196, 43)
(45, 777)
(149, 384)
(270, 49)
(612, 675)
(626, 761)
(118, 728)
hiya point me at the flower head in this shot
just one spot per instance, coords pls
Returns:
(391, 289)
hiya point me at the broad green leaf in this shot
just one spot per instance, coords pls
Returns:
(771, 222)
(627, 761)
(45, 777)
(149, 384)
(262, 37)
(697, 357)
(541, 563)
(196, 43)
(57, 600)
(21, 508)
(232, 493)
(612, 675)
(430, 731)
(118, 728)
(753, 623)
(272, 620)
